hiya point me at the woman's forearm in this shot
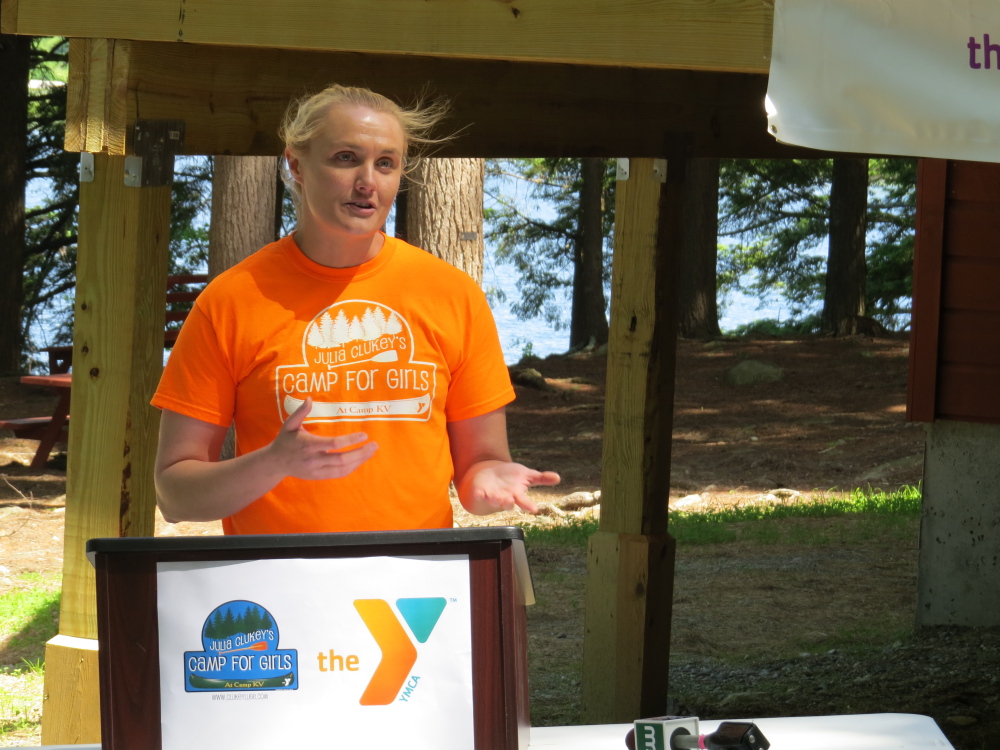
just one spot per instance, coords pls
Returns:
(193, 485)
(196, 490)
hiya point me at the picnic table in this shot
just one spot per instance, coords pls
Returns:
(47, 430)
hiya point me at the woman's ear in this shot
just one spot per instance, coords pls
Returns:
(293, 165)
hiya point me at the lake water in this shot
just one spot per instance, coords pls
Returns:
(544, 339)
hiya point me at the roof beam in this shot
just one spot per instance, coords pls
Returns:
(723, 35)
(232, 100)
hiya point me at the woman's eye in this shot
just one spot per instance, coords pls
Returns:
(345, 156)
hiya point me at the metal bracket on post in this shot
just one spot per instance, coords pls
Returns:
(86, 167)
(155, 143)
(660, 170)
(622, 173)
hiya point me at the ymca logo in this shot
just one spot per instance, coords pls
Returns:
(398, 652)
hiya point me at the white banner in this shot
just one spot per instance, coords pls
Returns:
(329, 653)
(907, 77)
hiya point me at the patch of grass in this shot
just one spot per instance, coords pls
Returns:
(873, 514)
(20, 703)
(28, 619)
(574, 532)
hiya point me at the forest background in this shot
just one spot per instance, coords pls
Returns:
(829, 242)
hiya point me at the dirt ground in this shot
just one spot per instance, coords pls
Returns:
(757, 630)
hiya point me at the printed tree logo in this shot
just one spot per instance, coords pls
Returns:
(250, 620)
(331, 333)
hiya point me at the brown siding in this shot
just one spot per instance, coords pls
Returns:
(955, 358)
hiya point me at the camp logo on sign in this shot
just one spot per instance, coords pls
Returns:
(240, 640)
(392, 677)
(358, 364)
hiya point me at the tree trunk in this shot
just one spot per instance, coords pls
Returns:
(444, 212)
(243, 213)
(243, 221)
(588, 322)
(699, 313)
(845, 268)
(15, 54)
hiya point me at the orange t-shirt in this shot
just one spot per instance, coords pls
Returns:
(396, 347)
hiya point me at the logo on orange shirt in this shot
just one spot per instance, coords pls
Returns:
(358, 364)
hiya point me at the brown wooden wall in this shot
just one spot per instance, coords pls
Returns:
(955, 342)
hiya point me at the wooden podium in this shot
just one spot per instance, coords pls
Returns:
(128, 620)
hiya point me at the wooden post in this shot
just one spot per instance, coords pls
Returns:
(630, 561)
(117, 360)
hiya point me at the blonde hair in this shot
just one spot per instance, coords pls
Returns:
(304, 118)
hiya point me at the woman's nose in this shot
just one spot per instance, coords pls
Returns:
(365, 177)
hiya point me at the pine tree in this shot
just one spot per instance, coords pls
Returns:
(316, 337)
(326, 329)
(380, 321)
(369, 326)
(570, 253)
(355, 332)
(341, 330)
(393, 326)
(228, 624)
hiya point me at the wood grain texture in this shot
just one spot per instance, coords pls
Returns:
(117, 355)
(721, 35)
(517, 719)
(129, 656)
(973, 230)
(627, 634)
(97, 96)
(71, 711)
(632, 328)
(972, 285)
(444, 212)
(928, 257)
(8, 17)
(968, 393)
(974, 181)
(971, 337)
(232, 100)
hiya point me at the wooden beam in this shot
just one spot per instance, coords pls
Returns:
(733, 35)
(928, 263)
(232, 100)
(72, 705)
(117, 360)
(96, 95)
(630, 559)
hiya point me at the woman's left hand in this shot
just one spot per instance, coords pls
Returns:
(494, 486)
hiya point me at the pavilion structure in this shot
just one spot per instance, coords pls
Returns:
(656, 82)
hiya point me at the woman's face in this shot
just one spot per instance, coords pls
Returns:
(349, 174)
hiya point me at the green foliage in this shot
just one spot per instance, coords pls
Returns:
(877, 509)
(541, 244)
(778, 213)
(51, 235)
(28, 618)
(574, 532)
(769, 327)
(50, 251)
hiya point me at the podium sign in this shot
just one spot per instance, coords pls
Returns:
(412, 639)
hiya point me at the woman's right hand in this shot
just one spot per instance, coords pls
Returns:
(193, 485)
(296, 452)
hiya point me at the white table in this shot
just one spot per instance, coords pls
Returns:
(850, 732)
